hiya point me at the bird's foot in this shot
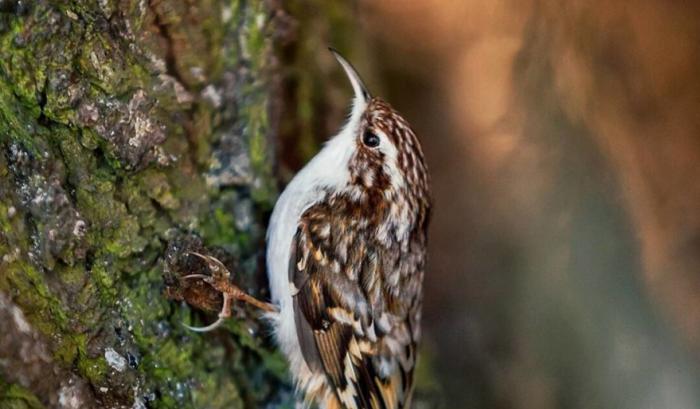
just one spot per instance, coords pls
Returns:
(219, 280)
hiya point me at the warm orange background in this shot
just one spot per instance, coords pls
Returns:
(564, 145)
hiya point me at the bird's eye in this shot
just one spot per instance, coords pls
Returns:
(370, 139)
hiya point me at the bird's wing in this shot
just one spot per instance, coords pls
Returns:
(347, 327)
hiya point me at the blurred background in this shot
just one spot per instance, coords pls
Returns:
(563, 140)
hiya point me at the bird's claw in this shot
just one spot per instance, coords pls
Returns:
(225, 313)
(219, 280)
(216, 266)
(220, 274)
(207, 328)
(204, 277)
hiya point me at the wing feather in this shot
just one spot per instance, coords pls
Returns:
(336, 321)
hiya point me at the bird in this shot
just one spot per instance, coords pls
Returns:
(346, 256)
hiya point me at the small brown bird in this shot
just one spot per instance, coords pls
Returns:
(346, 256)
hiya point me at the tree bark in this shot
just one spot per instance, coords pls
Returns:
(132, 132)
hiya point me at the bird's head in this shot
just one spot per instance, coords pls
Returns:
(384, 156)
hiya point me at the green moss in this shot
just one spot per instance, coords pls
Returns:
(42, 308)
(139, 204)
(46, 314)
(59, 60)
(27, 83)
(156, 186)
(92, 369)
(23, 77)
(16, 120)
(28, 284)
(104, 276)
(71, 275)
(107, 67)
(13, 396)
(126, 239)
(217, 392)
(220, 229)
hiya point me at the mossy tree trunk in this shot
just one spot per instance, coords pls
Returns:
(132, 131)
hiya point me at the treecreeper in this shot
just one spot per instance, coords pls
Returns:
(346, 255)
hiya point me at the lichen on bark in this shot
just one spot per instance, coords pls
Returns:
(131, 131)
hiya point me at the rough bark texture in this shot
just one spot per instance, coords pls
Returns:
(130, 132)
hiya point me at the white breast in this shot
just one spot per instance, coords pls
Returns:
(327, 171)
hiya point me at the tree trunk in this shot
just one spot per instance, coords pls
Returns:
(132, 132)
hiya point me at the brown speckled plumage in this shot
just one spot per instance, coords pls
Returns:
(358, 264)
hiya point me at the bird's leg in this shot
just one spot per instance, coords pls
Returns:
(219, 280)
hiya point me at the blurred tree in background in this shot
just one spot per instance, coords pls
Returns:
(563, 140)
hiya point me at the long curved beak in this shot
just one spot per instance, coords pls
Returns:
(358, 86)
